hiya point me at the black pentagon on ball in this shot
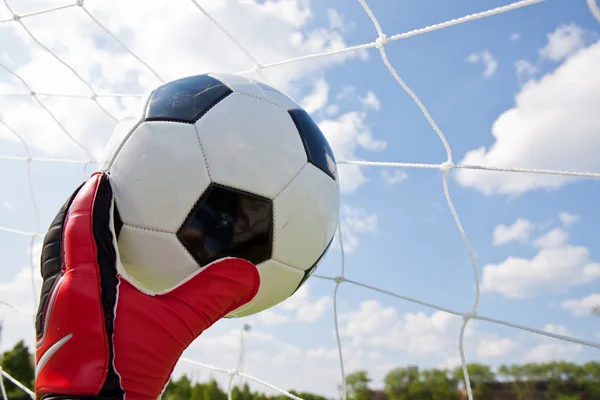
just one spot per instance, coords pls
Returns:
(185, 100)
(227, 222)
(317, 147)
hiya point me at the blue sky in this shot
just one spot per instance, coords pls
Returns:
(403, 237)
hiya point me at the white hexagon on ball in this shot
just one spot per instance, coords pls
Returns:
(251, 144)
(158, 175)
(304, 221)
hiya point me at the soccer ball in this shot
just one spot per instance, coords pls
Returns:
(220, 165)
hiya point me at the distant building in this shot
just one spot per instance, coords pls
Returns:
(379, 395)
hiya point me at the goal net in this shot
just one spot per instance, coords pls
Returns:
(70, 70)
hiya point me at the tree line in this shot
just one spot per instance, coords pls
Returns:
(557, 380)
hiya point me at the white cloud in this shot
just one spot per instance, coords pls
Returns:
(582, 307)
(556, 238)
(553, 349)
(299, 308)
(488, 60)
(265, 355)
(304, 307)
(557, 329)
(553, 125)
(346, 92)
(323, 352)
(332, 110)
(567, 218)
(564, 41)
(336, 20)
(270, 317)
(415, 333)
(496, 348)
(317, 98)
(370, 100)
(519, 231)
(347, 134)
(525, 70)
(556, 265)
(354, 222)
(229, 341)
(546, 352)
(428, 337)
(394, 176)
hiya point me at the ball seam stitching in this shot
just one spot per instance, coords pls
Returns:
(248, 94)
(144, 228)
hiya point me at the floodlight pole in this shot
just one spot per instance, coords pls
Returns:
(245, 328)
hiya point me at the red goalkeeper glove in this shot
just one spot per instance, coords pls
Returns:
(98, 335)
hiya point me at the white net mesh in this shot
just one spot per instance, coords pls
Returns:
(40, 139)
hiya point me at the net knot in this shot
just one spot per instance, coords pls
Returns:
(446, 166)
(94, 97)
(469, 315)
(233, 372)
(16, 17)
(79, 3)
(380, 41)
(32, 93)
(339, 279)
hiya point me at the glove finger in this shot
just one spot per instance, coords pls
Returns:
(171, 321)
(220, 287)
(87, 235)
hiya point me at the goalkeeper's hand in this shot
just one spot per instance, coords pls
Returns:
(98, 335)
